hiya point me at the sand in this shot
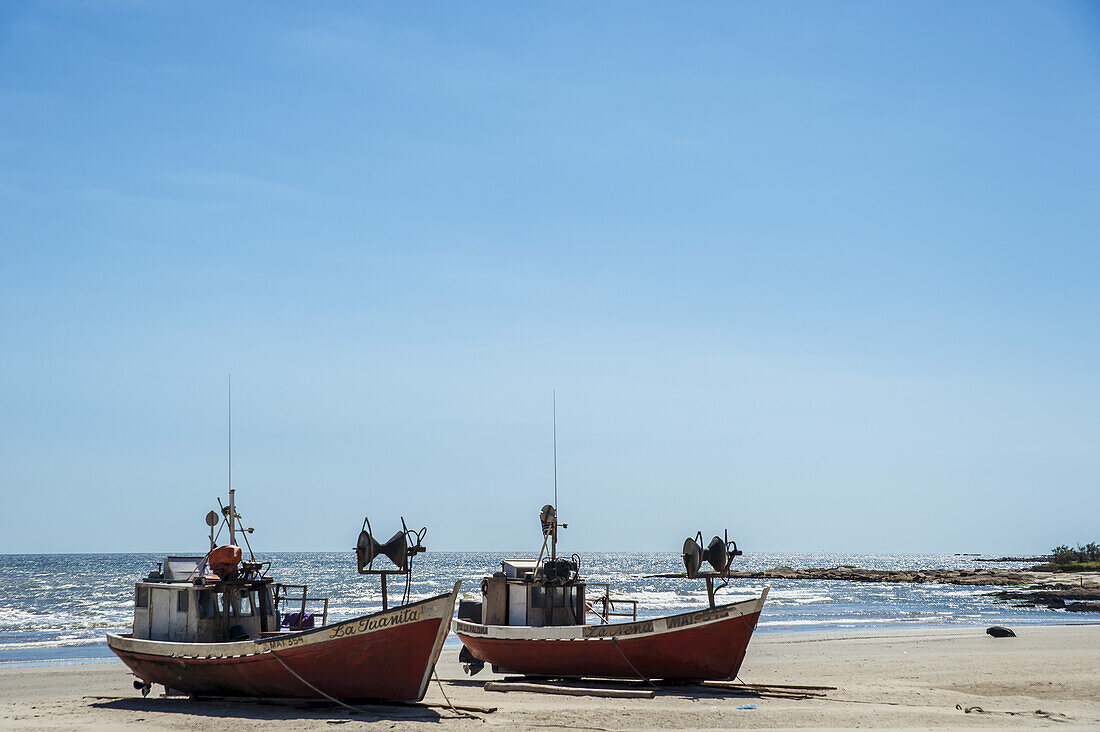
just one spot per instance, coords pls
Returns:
(910, 678)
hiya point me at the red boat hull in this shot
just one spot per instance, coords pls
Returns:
(383, 656)
(708, 644)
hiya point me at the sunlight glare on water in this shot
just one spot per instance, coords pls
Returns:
(58, 607)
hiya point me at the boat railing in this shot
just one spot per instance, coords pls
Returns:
(604, 606)
(299, 596)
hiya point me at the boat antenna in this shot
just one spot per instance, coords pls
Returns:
(555, 396)
(554, 531)
(232, 507)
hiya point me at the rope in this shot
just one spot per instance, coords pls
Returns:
(1052, 716)
(447, 699)
(357, 710)
(641, 676)
(295, 675)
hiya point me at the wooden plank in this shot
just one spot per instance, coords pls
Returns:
(741, 685)
(503, 686)
(462, 707)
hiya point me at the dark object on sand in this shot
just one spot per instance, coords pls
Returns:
(998, 632)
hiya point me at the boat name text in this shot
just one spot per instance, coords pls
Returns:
(702, 616)
(367, 625)
(606, 631)
(471, 628)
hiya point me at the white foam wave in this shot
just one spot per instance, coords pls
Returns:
(56, 643)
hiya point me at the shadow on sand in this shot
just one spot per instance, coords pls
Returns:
(262, 709)
(693, 690)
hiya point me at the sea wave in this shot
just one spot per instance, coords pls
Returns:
(54, 602)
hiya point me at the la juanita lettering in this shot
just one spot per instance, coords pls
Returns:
(366, 625)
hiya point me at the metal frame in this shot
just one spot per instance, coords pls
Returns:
(282, 595)
(609, 605)
(711, 575)
(410, 552)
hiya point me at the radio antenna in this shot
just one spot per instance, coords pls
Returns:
(230, 431)
(232, 506)
(555, 393)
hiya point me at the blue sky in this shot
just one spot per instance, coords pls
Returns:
(823, 274)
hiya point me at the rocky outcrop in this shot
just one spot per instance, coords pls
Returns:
(1073, 592)
(987, 577)
(1072, 599)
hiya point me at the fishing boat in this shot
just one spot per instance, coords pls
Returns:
(533, 620)
(215, 625)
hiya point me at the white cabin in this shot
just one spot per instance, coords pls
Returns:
(180, 604)
(521, 594)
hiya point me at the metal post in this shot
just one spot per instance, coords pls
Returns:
(232, 519)
(384, 601)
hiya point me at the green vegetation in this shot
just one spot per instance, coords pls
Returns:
(1084, 558)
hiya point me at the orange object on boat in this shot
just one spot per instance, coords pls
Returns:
(224, 560)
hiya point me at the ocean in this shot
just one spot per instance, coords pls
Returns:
(56, 608)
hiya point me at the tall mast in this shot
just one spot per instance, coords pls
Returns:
(554, 531)
(232, 503)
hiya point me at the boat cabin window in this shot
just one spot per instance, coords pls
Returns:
(244, 604)
(265, 602)
(141, 597)
(538, 596)
(237, 603)
(558, 594)
(206, 604)
(182, 600)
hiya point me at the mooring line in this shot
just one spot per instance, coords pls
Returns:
(447, 699)
(358, 710)
(295, 675)
(641, 676)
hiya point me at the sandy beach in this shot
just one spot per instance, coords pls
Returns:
(916, 678)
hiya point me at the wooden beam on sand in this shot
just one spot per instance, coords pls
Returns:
(462, 707)
(772, 691)
(771, 686)
(504, 686)
(743, 693)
